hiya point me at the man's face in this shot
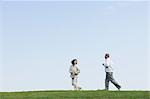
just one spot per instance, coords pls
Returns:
(106, 56)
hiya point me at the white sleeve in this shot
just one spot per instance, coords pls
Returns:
(70, 70)
(78, 70)
(106, 63)
(110, 64)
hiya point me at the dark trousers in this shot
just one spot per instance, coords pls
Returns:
(109, 77)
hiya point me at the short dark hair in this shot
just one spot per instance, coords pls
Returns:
(73, 61)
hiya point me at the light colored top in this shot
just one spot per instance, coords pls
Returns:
(74, 70)
(108, 65)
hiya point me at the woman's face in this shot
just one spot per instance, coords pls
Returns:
(75, 62)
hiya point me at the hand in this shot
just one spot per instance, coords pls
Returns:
(72, 73)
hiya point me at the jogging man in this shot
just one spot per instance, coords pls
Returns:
(109, 73)
(74, 71)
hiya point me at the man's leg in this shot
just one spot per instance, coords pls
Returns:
(107, 82)
(114, 81)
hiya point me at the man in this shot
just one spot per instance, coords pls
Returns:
(74, 71)
(109, 73)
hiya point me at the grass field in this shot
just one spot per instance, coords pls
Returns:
(99, 94)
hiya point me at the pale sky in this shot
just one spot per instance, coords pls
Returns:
(39, 39)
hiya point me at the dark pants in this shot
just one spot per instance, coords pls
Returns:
(109, 77)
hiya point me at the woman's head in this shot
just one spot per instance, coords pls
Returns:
(74, 61)
(107, 55)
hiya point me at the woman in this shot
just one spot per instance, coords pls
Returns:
(74, 71)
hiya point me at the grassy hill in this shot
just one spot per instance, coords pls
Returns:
(99, 94)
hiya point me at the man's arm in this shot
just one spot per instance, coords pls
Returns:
(110, 64)
(105, 65)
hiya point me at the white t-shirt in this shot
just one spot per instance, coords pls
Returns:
(108, 65)
(74, 70)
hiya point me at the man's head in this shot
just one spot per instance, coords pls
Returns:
(74, 61)
(107, 56)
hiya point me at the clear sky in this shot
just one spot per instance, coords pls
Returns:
(39, 39)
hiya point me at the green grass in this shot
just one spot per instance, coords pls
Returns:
(99, 94)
